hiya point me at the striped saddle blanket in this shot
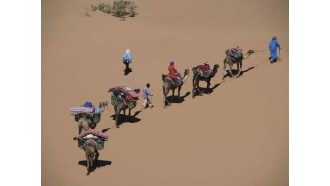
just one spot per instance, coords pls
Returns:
(78, 110)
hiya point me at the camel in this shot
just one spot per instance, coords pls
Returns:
(207, 76)
(91, 153)
(169, 84)
(231, 61)
(86, 121)
(121, 105)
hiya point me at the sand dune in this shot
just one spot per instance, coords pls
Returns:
(237, 135)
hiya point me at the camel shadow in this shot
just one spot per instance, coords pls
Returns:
(207, 90)
(125, 119)
(235, 72)
(177, 99)
(105, 130)
(100, 163)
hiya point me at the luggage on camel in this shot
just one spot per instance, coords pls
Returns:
(236, 53)
(87, 108)
(130, 95)
(99, 142)
(204, 70)
(78, 110)
(97, 136)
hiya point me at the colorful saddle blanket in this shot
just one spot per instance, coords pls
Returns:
(171, 76)
(129, 94)
(203, 68)
(78, 110)
(96, 133)
(236, 53)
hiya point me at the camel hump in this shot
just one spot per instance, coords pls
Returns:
(203, 67)
(172, 76)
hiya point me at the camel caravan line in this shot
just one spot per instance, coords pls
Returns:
(124, 98)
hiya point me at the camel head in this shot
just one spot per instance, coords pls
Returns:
(216, 66)
(186, 72)
(137, 90)
(102, 105)
(227, 52)
(186, 75)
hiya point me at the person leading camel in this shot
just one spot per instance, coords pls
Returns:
(146, 97)
(273, 45)
(172, 70)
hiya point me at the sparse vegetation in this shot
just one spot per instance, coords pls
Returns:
(86, 13)
(119, 8)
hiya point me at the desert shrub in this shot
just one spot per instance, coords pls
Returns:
(86, 13)
(94, 8)
(120, 8)
(132, 9)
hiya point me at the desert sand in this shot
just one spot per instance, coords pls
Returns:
(236, 136)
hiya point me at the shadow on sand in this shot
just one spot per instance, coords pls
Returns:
(99, 164)
(236, 71)
(177, 99)
(125, 119)
(206, 90)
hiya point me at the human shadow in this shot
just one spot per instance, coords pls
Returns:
(98, 164)
(127, 71)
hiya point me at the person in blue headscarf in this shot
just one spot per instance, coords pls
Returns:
(127, 59)
(273, 45)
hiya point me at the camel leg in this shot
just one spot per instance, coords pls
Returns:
(170, 102)
(194, 87)
(208, 86)
(165, 96)
(124, 115)
(238, 69)
(117, 118)
(88, 162)
(129, 115)
(198, 92)
(224, 69)
(231, 70)
(179, 90)
(97, 154)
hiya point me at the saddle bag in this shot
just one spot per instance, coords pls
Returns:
(99, 143)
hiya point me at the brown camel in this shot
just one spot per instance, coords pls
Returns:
(121, 104)
(232, 60)
(91, 153)
(170, 84)
(86, 121)
(202, 76)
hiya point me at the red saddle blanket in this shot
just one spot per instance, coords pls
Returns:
(172, 76)
(94, 132)
(129, 93)
(203, 67)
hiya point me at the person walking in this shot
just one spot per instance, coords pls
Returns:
(127, 59)
(146, 97)
(273, 45)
